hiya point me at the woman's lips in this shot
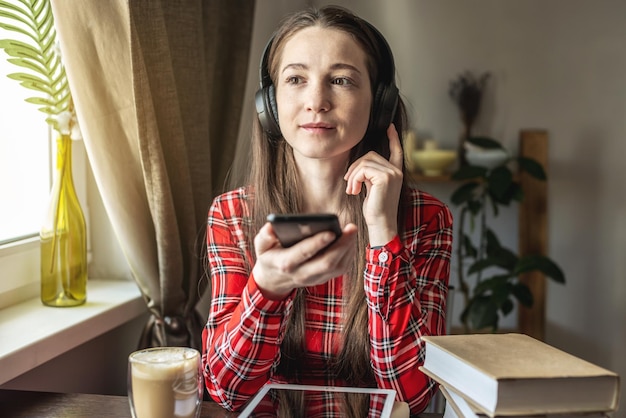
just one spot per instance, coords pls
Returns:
(317, 127)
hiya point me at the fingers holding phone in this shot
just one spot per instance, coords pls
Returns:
(293, 228)
(320, 257)
(314, 249)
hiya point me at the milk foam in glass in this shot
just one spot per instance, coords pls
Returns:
(165, 382)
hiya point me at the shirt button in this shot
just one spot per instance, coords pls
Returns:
(382, 257)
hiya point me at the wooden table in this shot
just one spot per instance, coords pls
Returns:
(27, 404)
(31, 404)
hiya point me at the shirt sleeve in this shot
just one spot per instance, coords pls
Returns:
(406, 284)
(242, 337)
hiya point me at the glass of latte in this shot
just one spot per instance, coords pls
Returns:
(165, 382)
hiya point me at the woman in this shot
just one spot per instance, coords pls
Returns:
(327, 140)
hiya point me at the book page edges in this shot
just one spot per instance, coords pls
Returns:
(442, 382)
(453, 404)
(517, 412)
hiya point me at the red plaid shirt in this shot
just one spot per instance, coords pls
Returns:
(406, 284)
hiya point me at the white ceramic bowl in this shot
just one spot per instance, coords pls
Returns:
(490, 158)
(433, 162)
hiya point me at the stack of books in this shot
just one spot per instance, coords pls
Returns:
(514, 375)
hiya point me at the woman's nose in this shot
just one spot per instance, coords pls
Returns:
(318, 97)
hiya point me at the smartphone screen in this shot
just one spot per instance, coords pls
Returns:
(292, 228)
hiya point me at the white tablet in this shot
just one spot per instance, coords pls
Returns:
(318, 400)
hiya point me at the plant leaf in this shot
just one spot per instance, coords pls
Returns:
(508, 195)
(52, 121)
(34, 66)
(469, 172)
(22, 47)
(499, 182)
(492, 284)
(505, 258)
(34, 19)
(493, 244)
(40, 101)
(23, 77)
(506, 307)
(532, 167)
(482, 313)
(474, 207)
(40, 87)
(45, 18)
(494, 205)
(17, 29)
(468, 247)
(483, 264)
(464, 193)
(501, 293)
(541, 263)
(523, 294)
(21, 17)
(517, 193)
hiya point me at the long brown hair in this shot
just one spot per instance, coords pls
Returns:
(276, 188)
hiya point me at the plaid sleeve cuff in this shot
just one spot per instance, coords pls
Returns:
(267, 317)
(376, 277)
(254, 296)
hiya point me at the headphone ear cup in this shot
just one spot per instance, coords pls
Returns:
(271, 101)
(385, 104)
(267, 111)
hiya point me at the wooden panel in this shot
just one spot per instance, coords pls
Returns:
(18, 403)
(533, 230)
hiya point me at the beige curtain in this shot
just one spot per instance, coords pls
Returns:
(158, 87)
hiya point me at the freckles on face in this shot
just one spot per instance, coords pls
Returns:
(323, 92)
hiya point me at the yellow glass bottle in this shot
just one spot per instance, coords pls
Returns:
(63, 238)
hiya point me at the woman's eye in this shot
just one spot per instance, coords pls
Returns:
(294, 79)
(341, 81)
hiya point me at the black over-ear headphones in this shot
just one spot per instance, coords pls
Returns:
(385, 100)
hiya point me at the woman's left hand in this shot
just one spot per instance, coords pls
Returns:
(383, 182)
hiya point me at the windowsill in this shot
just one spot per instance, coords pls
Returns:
(31, 333)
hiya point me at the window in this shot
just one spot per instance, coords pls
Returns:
(27, 158)
(24, 158)
(25, 179)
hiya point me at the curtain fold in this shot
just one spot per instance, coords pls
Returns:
(158, 87)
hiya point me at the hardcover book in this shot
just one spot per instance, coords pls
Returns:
(459, 407)
(516, 375)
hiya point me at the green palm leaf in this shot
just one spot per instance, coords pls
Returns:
(34, 51)
(34, 66)
(17, 29)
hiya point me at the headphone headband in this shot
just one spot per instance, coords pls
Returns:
(387, 62)
(264, 74)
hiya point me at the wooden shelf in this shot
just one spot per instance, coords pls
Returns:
(532, 229)
(420, 178)
(444, 178)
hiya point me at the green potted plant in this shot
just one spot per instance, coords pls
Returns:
(488, 272)
(63, 234)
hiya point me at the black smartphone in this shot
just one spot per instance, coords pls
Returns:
(291, 228)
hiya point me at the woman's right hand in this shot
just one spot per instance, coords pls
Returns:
(279, 270)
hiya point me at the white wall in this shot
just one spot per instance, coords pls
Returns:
(559, 65)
